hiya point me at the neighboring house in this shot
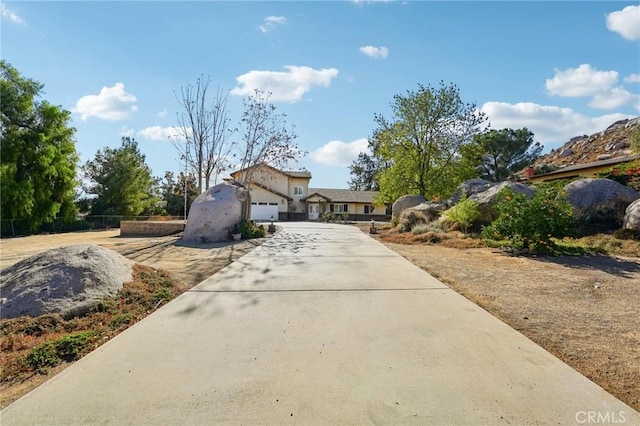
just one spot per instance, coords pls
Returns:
(587, 170)
(285, 195)
(356, 205)
(276, 193)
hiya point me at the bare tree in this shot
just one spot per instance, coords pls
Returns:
(265, 136)
(204, 132)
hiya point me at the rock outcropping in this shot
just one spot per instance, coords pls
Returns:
(613, 142)
(599, 204)
(215, 212)
(487, 199)
(404, 202)
(67, 280)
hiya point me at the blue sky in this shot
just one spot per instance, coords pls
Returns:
(561, 69)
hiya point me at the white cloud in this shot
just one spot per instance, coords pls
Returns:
(625, 22)
(601, 86)
(126, 131)
(339, 154)
(163, 113)
(552, 125)
(632, 78)
(615, 98)
(10, 15)
(581, 81)
(158, 133)
(271, 22)
(288, 86)
(375, 52)
(113, 103)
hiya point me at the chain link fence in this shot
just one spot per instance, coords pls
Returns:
(19, 228)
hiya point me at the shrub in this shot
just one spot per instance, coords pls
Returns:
(249, 229)
(531, 223)
(626, 174)
(409, 219)
(464, 213)
(68, 348)
(420, 229)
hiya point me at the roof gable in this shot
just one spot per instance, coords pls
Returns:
(289, 173)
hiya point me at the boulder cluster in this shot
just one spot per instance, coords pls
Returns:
(600, 204)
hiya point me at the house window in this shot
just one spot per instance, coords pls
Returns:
(298, 190)
(339, 208)
(368, 209)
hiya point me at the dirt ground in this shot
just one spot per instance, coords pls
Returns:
(582, 309)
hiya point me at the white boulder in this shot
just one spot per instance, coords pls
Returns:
(66, 280)
(215, 212)
(632, 216)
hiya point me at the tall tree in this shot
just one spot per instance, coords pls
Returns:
(173, 192)
(363, 172)
(265, 136)
(204, 133)
(121, 181)
(423, 145)
(506, 151)
(37, 151)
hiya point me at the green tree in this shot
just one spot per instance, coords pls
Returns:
(121, 181)
(423, 145)
(173, 192)
(506, 151)
(363, 172)
(38, 166)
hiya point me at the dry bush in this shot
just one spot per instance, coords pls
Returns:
(409, 219)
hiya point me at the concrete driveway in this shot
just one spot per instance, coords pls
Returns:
(319, 325)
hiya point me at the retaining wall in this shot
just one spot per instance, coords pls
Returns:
(132, 228)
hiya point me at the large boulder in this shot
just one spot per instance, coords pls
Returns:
(469, 188)
(421, 214)
(404, 203)
(632, 216)
(67, 280)
(486, 200)
(599, 204)
(215, 212)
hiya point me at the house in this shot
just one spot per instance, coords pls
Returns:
(586, 170)
(356, 205)
(275, 194)
(285, 195)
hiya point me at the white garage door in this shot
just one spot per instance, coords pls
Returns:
(264, 212)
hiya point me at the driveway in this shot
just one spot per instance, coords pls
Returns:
(319, 325)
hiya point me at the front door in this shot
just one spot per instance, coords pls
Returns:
(314, 210)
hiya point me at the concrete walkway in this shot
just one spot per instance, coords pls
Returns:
(319, 325)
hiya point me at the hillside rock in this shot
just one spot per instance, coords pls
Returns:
(215, 212)
(430, 211)
(599, 204)
(404, 203)
(632, 216)
(613, 142)
(67, 280)
(487, 200)
(470, 187)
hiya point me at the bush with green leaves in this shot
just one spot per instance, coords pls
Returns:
(464, 213)
(68, 348)
(249, 229)
(530, 223)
